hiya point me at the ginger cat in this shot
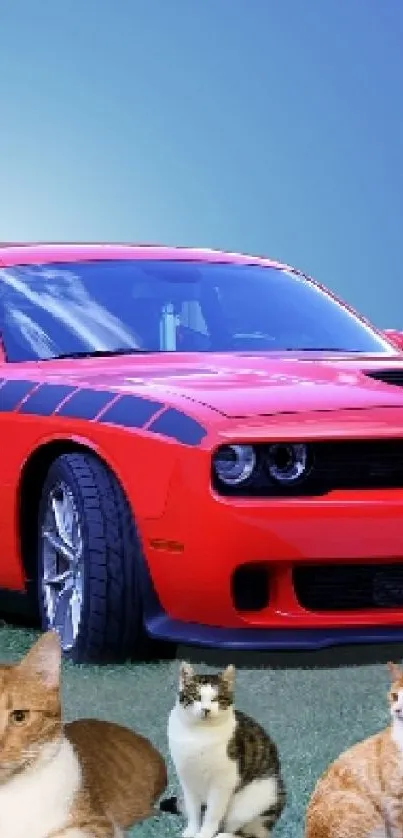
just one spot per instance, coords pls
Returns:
(86, 780)
(360, 795)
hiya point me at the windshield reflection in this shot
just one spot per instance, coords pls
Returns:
(62, 294)
(112, 306)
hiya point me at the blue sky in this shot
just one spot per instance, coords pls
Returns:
(270, 126)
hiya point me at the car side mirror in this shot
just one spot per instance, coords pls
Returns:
(395, 337)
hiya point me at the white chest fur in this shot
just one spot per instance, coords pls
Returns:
(397, 733)
(39, 801)
(199, 752)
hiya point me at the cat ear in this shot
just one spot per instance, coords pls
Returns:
(395, 671)
(229, 675)
(43, 660)
(186, 672)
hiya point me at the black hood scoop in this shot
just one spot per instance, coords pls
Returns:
(393, 376)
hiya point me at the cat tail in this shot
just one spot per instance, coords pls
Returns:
(171, 805)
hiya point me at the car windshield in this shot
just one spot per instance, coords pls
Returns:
(84, 308)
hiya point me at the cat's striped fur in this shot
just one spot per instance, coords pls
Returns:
(256, 756)
(126, 769)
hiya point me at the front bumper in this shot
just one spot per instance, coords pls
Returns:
(192, 555)
(161, 627)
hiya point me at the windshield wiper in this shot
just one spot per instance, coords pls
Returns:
(317, 349)
(95, 353)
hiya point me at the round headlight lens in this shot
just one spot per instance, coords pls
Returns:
(234, 464)
(287, 462)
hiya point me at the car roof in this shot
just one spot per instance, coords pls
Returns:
(34, 253)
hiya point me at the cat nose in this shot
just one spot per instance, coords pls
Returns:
(206, 711)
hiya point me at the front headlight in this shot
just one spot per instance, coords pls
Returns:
(233, 464)
(287, 462)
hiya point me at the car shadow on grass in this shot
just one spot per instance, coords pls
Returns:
(330, 658)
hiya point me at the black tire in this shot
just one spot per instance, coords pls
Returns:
(111, 625)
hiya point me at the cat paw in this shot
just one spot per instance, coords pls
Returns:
(190, 831)
(205, 833)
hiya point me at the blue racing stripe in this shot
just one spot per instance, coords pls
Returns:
(13, 393)
(86, 404)
(131, 412)
(127, 411)
(177, 425)
(45, 400)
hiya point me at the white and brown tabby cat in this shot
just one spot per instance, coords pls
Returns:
(227, 764)
(83, 780)
(360, 795)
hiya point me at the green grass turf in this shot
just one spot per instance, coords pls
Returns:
(314, 706)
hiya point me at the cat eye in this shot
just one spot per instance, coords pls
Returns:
(19, 716)
(394, 696)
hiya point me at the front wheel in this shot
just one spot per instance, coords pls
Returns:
(88, 551)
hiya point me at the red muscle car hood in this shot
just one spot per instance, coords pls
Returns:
(244, 385)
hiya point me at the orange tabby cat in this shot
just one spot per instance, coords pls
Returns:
(66, 783)
(361, 794)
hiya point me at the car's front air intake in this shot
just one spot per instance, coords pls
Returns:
(251, 587)
(349, 587)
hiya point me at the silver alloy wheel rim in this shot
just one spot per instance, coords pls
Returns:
(63, 566)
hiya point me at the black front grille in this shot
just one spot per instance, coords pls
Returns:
(340, 464)
(394, 376)
(358, 464)
(352, 587)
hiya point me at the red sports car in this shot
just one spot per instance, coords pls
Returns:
(196, 447)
